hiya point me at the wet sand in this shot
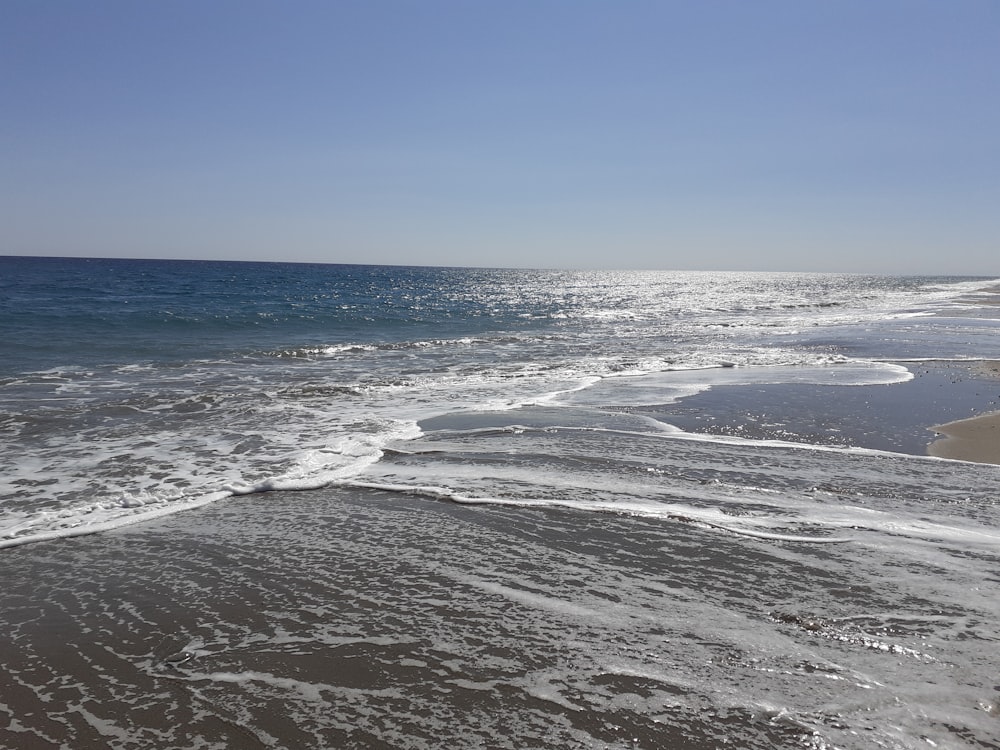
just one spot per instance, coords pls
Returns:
(359, 619)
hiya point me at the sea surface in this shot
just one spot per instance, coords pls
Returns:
(292, 505)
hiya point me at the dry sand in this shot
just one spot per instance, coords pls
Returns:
(975, 439)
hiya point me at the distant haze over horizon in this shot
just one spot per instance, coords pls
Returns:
(850, 137)
(554, 269)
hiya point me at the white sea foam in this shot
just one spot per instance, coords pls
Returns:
(95, 518)
(310, 469)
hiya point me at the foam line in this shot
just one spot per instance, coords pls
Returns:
(683, 514)
(115, 523)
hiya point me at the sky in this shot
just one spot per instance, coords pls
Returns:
(799, 135)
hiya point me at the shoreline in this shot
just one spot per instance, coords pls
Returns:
(895, 417)
(974, 438)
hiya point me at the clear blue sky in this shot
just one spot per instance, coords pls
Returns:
(843, 135)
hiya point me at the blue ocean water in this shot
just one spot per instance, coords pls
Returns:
(61, 312)
(483, 494)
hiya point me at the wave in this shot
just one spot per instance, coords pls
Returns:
(313, 469)
(97, 517)
(341, 348)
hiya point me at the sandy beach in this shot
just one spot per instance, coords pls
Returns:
(975, 439)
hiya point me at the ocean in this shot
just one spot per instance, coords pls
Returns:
(337, 506)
